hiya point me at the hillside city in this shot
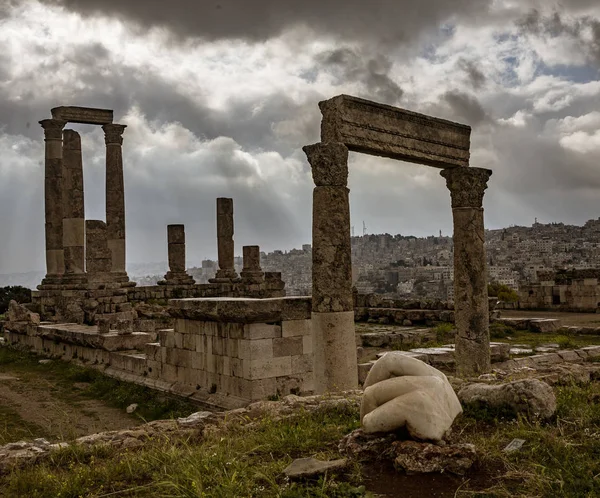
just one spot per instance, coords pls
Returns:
(423, 267)
(420, 267)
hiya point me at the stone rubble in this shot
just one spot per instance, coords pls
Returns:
(531, 397)
(423, 458)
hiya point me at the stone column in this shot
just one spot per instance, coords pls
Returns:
(467, 186)
(334, 342)
(252, 272)
(176, 247)
(98, 255)
(73, 206)
(115, 195)
(225, 247)
(55, 262)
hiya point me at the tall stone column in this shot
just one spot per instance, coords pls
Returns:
(467, 186)
(334, 342)
(73, 206)
(55, 262)
(176, 248)
(225, 247)
(115, 195)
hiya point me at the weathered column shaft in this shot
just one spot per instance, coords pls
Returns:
(98, 255)
(335, 366)
(55, 263)
(467, 186)
(73, 205)
(252, 272)
(176, 247)
(115, 195)
(225, 245)
(251, 255)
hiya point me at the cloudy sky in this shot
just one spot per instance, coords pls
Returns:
(220, 95)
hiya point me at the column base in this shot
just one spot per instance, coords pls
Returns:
(177, 278)
(334, 346)
(225, 276)
(252, 276)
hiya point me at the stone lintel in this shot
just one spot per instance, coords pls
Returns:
(383, 130)
(84, 115)
(242, 310)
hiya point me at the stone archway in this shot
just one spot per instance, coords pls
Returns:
(354, 124)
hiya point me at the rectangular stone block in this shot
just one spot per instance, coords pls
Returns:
(287, 346)
(267, 368)
(166, 338)
(262, 331)
(198, 361)
(291, 328)
(84, 115)
(180, 325)
(383, 130)
(169, 372)
(260, 389)
(189, 342)
(307, 344)
(178, 339)
(254, 350)
(302, 363)
(236, 367)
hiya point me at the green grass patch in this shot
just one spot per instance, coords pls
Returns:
(246, 461)
(14, 428)
(559, 458)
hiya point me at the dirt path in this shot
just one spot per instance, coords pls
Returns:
(44, 412)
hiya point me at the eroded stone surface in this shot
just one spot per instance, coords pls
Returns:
(529, 396)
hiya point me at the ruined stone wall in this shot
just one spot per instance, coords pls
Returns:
(224, 352)
(578, 295)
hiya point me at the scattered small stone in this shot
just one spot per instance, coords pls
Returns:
(193, 419)
(310, 467)
(487, 377)
(44, 362)
(514, 445)
(417, 458)
(131, 408)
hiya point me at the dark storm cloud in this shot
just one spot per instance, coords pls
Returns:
(458, 106)
(474, 74)
(276, 122)
(556, 24)
(372, 71)
(389, 21)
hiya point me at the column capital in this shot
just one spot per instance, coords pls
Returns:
(466, 185)
(329, 163)
(113, 133)
(53, 128)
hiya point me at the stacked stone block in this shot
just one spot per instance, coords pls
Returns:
(176, 250)
(237, 348)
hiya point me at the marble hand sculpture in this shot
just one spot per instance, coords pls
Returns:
(403, 391)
